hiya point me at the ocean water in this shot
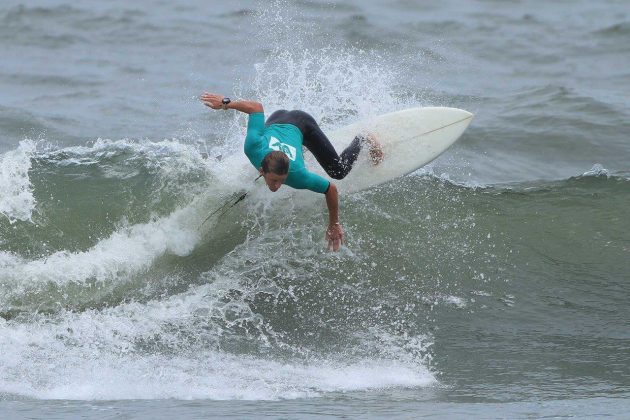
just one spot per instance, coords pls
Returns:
(493, 283)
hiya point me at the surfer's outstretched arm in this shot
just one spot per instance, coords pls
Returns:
(214, 101)
(334, 233)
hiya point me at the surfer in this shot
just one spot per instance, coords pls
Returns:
(275, 150)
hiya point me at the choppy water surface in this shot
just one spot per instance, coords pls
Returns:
(492, 283)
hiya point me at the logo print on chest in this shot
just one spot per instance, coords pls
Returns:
(287, 149)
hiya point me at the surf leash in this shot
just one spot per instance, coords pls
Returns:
(227, 206)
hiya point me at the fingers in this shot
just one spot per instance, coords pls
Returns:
(334, 236)
(211, 100)
(339, 241)
(210, 105)
(340, 237)
(331, 242)
(334, 243)
(205, 97)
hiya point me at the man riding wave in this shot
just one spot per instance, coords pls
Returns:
(275, 149)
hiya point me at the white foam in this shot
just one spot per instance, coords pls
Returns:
(16, 196)
(168, 348)
(219, 376)
(597, 170)
(127, 251)
(439, 298)
(168, 157)
(45, 361)
(132, 248)
(8, 259)
(106, 147)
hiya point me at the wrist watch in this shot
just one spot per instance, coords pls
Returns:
(225, 102)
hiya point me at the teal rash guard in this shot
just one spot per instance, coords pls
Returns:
(286, 138)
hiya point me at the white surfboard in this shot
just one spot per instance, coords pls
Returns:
(411, 138)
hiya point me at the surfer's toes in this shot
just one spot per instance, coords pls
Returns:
(375, 149)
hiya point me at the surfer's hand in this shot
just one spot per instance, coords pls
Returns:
(334, 236)
(212, 100)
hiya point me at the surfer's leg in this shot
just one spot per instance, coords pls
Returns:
(337, 166)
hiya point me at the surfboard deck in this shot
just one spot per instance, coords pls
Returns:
(410, 138)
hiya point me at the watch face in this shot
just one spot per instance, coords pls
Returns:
(226, 101)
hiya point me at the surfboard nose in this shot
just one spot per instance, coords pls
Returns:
(467, 114)
(443, 116)
(457, 113)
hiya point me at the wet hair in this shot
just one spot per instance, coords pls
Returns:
(276, 162)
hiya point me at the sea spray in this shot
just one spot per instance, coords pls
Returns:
(16, 195)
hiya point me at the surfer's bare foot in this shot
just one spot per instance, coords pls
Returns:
(375, 149)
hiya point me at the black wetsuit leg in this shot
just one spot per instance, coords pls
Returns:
(337, 166)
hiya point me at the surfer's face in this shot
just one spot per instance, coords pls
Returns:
(274, 181)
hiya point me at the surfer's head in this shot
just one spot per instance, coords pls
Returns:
(275, 169)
